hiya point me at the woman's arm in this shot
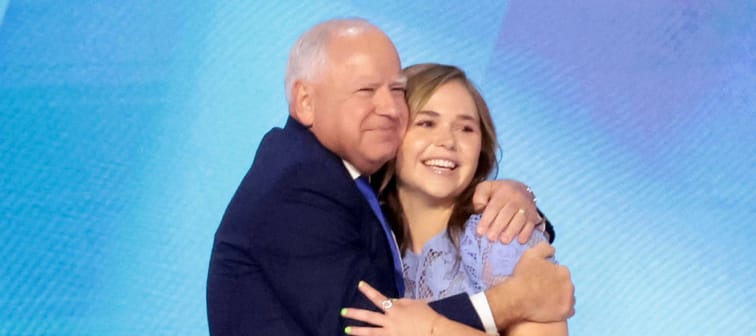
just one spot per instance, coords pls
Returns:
(402, 317)
(538, 329)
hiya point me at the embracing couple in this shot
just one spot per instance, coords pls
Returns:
(369, 212)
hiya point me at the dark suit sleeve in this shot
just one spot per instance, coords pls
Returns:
(550, 234)
(312, 251)
(458, 308)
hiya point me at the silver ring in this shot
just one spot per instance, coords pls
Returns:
(387, 304)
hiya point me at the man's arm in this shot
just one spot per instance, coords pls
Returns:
(538, 291)
(508, 210)
(538, 329)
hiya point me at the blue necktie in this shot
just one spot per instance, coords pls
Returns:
(367, 191)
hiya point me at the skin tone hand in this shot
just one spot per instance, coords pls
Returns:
(509, 210)
(538, 291)
(402, 317)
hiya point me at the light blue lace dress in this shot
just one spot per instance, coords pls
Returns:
(440, 270)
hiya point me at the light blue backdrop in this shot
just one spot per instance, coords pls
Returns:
(125, 128)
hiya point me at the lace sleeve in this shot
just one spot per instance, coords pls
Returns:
(488, 263)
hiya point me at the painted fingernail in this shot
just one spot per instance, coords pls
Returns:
(359, 284)
(348, 330)
(521, 211)
(343, 311)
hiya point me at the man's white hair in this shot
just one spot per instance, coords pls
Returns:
(309, 54)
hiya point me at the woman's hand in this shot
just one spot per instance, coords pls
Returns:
(400, 316)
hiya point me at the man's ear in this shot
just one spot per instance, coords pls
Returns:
(302, 105)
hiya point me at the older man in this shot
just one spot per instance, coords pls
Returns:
(299, 234)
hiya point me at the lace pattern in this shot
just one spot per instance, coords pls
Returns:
(440, 270)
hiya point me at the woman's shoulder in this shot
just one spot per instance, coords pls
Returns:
(489, 262)
(480, 251)
(471, 226)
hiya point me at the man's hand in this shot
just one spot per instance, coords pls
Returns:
(538, 291)
(508, 210)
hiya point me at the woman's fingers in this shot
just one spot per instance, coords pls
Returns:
(372, 294)
(367, 316)
(363, 331)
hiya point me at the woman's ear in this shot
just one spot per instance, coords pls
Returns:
(302, 106)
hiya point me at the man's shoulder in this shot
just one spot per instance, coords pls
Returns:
(293, 146)
(291, 160)
(284, 174)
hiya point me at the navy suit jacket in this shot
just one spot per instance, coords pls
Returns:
(294, 242)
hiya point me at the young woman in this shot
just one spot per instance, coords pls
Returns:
(449, 147)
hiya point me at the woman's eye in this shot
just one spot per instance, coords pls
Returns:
(424, 123)
(468, 127)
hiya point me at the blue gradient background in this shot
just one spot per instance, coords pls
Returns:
(126, 127)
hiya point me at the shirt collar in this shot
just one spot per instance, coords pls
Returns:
(353, 172)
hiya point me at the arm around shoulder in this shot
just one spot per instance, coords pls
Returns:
(538, 291)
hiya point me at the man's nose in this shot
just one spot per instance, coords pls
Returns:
(389, 103)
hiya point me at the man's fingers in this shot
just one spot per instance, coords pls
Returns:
(566, 276)
(572, 310)
(527, 230)
(481, 195)
(502, 222)
(486, 219)
(516, 224)
(480, 201)
(569, 310)
(542, 250)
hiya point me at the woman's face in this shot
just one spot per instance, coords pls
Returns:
(439, 154)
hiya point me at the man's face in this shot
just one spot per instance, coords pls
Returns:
(360, 112)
